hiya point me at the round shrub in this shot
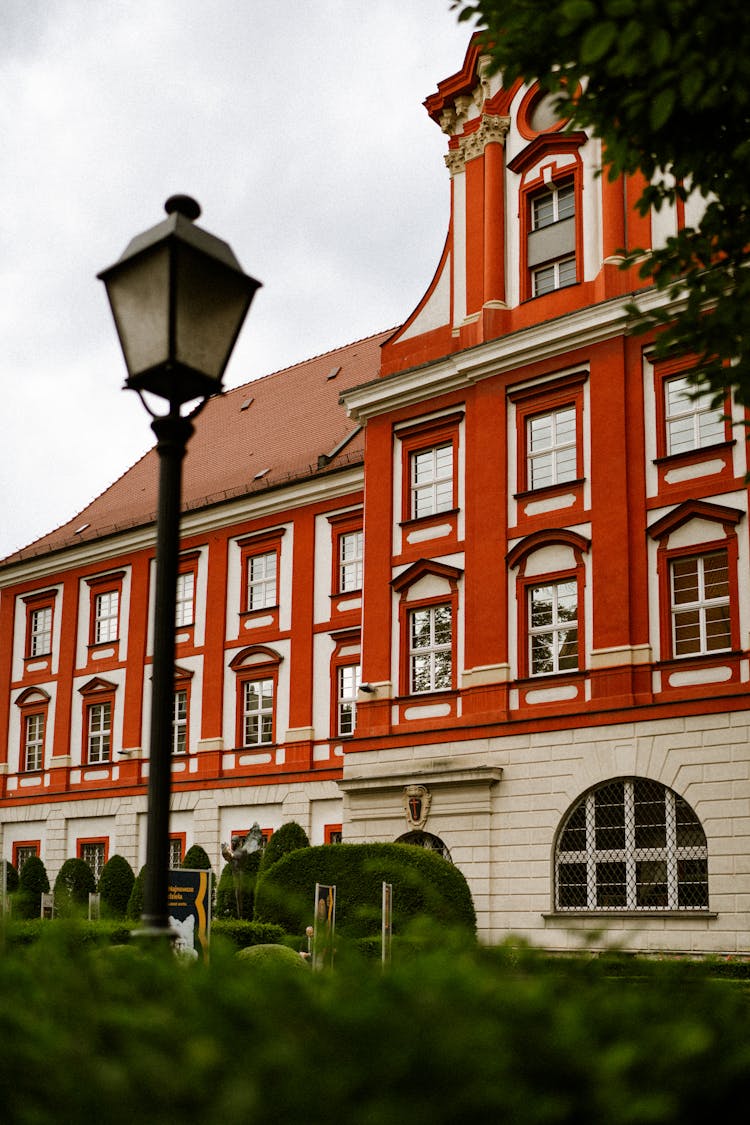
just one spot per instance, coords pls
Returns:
(424, 885)
(235, 892)
(288, 838)
(269, 956)
(73, 885)
(196, 859)
(135, 902)
(115, 884)
(32, 883)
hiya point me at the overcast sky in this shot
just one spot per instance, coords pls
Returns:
(300, 129)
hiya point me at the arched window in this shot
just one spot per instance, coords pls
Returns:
(631, 844)
(426, 840)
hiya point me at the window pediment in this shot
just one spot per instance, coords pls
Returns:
(254, 656)
(33, 696)
(97, 686)
(560, 537)
(426, 568)
(695, 510)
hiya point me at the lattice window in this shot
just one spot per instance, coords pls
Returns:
(631, 845)
(432, 481)
(692, 421)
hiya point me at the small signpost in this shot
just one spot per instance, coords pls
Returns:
(324, 926)
(189, 905)
(387, 923)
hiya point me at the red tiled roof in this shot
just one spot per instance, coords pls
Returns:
(278, 426)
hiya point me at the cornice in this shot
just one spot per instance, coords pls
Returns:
(252, 505)
(551, 338)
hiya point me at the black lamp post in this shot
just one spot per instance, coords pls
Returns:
(179, 298)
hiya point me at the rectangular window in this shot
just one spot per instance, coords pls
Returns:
(176, 848)
(179, 721)
(99, 732)
(552, 238)
(700, 604)
(432, 480)
(351, 545)
(34, 742)
(430, 649)
(22, 852)
(185, 614)
(261, 581)
(257, 712)
(553, 628)
(349, 678)
(40, 631)
(93, 852)
(691, 421)
(106, 616)
(551, 447)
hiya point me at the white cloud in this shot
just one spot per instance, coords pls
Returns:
(298, 127)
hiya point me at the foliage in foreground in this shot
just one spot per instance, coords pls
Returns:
(464, 1034)
(648, 77)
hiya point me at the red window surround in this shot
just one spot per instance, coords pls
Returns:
(410, 601)
(332, 834)
(345, 567)
(98, 722)
(24, 849)
(664, 371)
(535, 401)
(177, 847)
(40, 618)
(105, 609)
(33, 705)
(725, 521)
(418, 439)
(261, 557)
(347, 653)
(255, 664)
(518, 558)
(98, 845)
(187, 585)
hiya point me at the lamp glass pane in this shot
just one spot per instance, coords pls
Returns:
(138, 292)
(211, 301)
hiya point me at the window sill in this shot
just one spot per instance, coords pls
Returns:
(688, 456)
(625, 912)
(550, 489)
(424, 521)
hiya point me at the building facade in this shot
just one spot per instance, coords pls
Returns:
(484, 589)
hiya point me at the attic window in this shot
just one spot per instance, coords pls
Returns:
(83, 527)
(261, 474)
(247, 402)
(333, 373)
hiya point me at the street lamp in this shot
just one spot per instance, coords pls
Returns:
(178, 297)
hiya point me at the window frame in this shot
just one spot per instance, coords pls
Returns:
(555, 628)
(537, 401)
(421, 438)
(186, 605)
(344, 524)
(34, 847)
(105, 586)
(725, 521)
(253, 547)
(530, 576)
(665, 372)
(703, 605)
(180, 839)
(629, 855)
(102, 842)
(557, 179)
(32, 703)
(182, 685)
(96, 693)
(36, 604)
(411, 601)
(253, 665)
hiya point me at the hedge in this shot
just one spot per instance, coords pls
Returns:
(73, 885)
(497, 1037)
(32, 883)
(424, 885)
(286, 839)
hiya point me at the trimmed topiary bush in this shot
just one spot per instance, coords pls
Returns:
(135, 902)
(242, 934)
(32, 883)
(235, 892)
(269, 956)
(196, 859)
(424, 885)
(115, 886)
(288, 838)
(73, 885)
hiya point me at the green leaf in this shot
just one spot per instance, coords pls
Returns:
(578, 11)
(597, 41)
(661, 45)
(661, 108)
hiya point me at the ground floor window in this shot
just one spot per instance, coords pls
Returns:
(631, 844)
(426, 840)
(94, 853)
